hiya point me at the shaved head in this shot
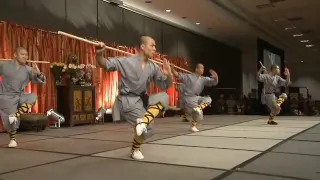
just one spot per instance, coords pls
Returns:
(21, 55)
(199, 69)
(144, 40)
(275, 69)
(198, 65)
(18, 49)
(147, 46)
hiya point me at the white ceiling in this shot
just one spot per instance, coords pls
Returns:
(276, 19)
(236, 22)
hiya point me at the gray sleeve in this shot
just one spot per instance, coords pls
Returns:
(160, 79)
(210, 81)
(110, 64)
(182, 77)
(283, 82)
(262, 77)
(179, 87)
(1, 65)
(36, 78)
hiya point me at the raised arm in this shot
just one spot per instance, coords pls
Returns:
(162, 80)
(182, 77)
(213, 80)
(110, 64)
(262, 77)
(208, 81)
(284, 82)
(35, 76)
(287, 81)
(174, 72)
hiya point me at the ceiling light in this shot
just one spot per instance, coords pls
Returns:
(280, 19)
(297, 35)
(289, 28)
(168, 10)
(304, 41)
(197, 23)
(302, 61)
(309, 45)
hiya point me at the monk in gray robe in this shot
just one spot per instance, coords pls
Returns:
(194, 84)
(272, 81)
(13, 100)
(180, 89)
(132, 104)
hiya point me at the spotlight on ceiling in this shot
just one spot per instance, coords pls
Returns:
(168, 10)
(289, 28)
(309, 45)
(304, 41)
(297, 35)
(197, 23)
(302, 61)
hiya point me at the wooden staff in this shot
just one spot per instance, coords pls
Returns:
(111, 48)
(30, 61)
(261, 64)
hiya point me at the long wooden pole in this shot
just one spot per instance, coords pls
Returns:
(30, 61)
(111, 48)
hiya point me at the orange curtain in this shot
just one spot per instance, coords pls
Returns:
(49, 46)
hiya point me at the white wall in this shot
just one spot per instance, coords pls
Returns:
(307, 74)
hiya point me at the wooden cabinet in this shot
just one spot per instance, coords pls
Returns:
(76, 104)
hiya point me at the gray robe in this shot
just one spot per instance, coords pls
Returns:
(180, 89)
(133, 83)
(271, 84)
(193, 87)
(12, 90)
